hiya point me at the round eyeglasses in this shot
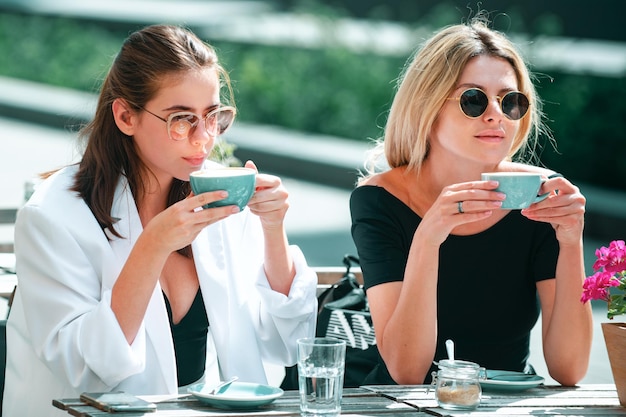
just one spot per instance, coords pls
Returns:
(182, 124)
(474, 103)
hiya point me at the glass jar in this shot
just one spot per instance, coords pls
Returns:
(457, 384)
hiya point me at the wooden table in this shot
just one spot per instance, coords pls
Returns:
(399, 401)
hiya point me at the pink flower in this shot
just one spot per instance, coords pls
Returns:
(596, 287)
(613, 258)
(609, 276)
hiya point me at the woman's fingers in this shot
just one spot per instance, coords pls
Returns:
(460, 204)
(270, 203)
(475, 206)
(206, 198)
(179, 224)
(472, 197)
(564, 209)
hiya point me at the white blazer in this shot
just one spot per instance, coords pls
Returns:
(63, 338)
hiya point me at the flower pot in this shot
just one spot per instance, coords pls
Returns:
(615, 339)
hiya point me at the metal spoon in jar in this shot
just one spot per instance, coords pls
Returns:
(450, 349)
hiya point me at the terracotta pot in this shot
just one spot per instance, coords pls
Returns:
(615, 339)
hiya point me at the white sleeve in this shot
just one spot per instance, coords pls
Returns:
(69, 319)
(293, 316)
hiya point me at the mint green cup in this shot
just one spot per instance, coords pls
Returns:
(238, 181)
(521, 188)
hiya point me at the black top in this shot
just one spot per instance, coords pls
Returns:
(190, 339)
(486, 293)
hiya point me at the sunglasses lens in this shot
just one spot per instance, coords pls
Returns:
(515, 105)
(473, 102)
(219, 121)
(181, 125)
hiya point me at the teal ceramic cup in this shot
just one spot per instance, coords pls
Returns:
(239, 182)
(521, 188)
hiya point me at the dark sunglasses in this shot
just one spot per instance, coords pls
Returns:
(474, 102)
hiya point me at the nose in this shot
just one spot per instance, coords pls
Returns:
(200, 135)
(494, 110)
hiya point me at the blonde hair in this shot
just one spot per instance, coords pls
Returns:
(431, 76)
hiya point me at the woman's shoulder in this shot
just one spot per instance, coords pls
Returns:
(55, 205)
(393, 180)
(56, 186)
(382, 179)
(374, 187)
(368, 192)
(378, 194)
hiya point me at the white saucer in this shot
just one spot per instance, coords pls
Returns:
(239, 395)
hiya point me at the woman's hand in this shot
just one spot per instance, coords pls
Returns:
(269, 200)
(459, 204)
(178, 225)
(564, 209)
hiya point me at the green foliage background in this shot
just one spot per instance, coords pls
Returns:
(330, 91)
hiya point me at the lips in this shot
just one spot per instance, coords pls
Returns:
(491, 136)
(196, 160)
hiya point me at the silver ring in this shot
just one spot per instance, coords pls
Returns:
(459, 207)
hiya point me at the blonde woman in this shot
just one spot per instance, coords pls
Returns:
(440, 258)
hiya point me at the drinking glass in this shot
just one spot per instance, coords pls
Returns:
(321, 364)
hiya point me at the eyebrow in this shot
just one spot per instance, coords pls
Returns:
(180, 107)
(465, 86)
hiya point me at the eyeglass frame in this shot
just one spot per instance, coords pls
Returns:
(204, 118)
(498, 98)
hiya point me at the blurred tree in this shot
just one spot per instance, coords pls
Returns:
(600, 20)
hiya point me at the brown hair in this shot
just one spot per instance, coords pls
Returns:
(146, 57)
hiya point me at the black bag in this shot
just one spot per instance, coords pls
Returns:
(343, 313)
